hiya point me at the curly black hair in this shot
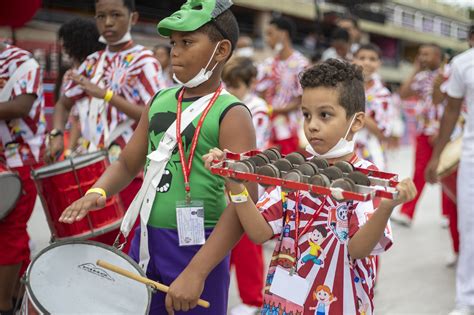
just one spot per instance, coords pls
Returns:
(341, 75)
(80, 38)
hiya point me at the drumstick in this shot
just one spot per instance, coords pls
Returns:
(133, 276)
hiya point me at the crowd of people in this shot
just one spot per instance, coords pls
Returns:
(164, 114)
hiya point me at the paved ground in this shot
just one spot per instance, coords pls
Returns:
(413, 277)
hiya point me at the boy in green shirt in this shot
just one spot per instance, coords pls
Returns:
(180, 202)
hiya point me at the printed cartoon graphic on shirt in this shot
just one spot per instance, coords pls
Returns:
(362, 306)
(338, 221)
(315, 240)
(159, 123)
(324, 298)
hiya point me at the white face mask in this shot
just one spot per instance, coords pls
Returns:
(278, 48)
(343, 147)
(202, 75)
(125, 38)
(245, 52)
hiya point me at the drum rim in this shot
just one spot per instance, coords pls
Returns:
(41, 173)
(14, 175)
(87, 235)
(94, 243)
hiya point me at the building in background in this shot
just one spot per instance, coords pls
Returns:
(397, 26)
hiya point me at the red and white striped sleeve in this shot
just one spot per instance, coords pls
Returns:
(360, 215)
(30, 83)
(149, 78)
(73, 90)
(271, 208)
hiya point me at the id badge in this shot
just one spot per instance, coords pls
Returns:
(190, 221)
(290, 287)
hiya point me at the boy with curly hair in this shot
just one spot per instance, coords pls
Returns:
(333, 108)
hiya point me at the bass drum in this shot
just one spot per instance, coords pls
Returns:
(10, 190)
(64, 279)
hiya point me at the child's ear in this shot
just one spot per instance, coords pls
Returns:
(359, 122)
(135, 17)
(253, 84)
(224, 50)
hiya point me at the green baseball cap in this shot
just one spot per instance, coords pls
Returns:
(192, 15)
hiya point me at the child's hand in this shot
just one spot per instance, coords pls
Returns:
(79, 208)
(214, 154)
(406, 192)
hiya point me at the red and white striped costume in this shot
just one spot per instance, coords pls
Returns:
(350, 281)
(260, 118)
(430, 115)
(279, 82)
(133, 73)
(22, 139)
(378, 106)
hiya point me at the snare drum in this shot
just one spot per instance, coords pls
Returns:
(64, 279)
(10, 190)
(448, 167)
(62, 183)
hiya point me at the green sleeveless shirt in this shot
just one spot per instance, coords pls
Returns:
(205, 186)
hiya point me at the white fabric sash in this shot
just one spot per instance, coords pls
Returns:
(143, 202)
(97, 106)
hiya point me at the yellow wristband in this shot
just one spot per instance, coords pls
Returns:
(108, 95)
(239, 198)
(99, 191)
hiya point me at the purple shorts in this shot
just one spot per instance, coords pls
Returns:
(168, 259)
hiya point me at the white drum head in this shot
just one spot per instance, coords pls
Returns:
(64, 279)
(10, 190)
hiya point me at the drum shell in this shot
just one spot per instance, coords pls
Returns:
(448, 167)
(449, 185)
(60, 188)
(31, 303)
(11, 188)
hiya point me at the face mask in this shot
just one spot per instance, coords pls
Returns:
(202, 75)
(245, 52)
(278, 48)
(125, 38)
(342, 148)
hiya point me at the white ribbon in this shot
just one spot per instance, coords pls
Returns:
(143, 202)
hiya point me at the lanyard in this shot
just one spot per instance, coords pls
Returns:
(187, 166)
(306, 227)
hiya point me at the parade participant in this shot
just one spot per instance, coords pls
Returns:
(78, 38)
(245, 47)
(22, 130)
(321, 266)
(378, 108)
(239, 76)
(460, 87)
(116, 84)
(163, 55)
(351, 25)
(440, 97)
(340, 46)
(420, 83)
(177, 186)
(278, 83)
